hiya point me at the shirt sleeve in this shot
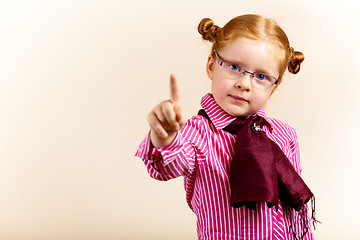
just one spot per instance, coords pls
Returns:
(295, 155)
(295, 151)
(176, 159)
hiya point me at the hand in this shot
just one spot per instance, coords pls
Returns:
(167, 118)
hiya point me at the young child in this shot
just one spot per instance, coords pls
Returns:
(248, 59)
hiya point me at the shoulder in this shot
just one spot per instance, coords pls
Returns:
(281, 129)
(277, 125)
(198, 122)
(286, 138)
(199, 127)
(196, 125)
(280, 125)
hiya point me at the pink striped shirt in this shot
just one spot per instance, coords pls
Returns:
(201, 153)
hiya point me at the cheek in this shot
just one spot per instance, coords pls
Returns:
(261, 98)
(220, 81)
(215, 87)
(220, 87)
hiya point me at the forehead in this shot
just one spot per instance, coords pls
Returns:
(255, 55)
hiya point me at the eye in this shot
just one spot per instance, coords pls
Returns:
(262, 77)
(234, 67)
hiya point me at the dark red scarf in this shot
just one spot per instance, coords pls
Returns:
(260, 172)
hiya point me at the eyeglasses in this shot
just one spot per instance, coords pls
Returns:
(258, 79)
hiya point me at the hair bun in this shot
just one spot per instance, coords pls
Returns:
(208, 29)
(295, 61)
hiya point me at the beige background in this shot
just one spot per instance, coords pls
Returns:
(77, 79)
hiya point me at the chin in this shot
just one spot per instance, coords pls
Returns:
(235, 113)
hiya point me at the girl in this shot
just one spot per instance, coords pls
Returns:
(248, 59)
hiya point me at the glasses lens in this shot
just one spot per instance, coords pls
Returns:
(233, 68)
(263, 79)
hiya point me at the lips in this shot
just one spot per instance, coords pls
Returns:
(238, 98)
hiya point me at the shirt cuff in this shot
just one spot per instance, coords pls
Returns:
(165, 154)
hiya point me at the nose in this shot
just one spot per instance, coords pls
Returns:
(244, 82)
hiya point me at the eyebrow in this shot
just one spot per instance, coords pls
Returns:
(229, 61)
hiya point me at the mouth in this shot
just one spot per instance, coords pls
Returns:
(238, 99)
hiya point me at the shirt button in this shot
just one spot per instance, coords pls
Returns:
(156, 153)
(278, 218)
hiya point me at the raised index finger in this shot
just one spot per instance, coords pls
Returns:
(174, 90)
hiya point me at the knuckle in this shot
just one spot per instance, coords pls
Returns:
(150, 117)
(157, 129)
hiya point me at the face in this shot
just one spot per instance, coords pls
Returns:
(238, 96)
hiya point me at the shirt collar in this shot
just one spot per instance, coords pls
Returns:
(218, 116)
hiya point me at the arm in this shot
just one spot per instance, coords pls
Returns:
(295, 151)
(177, 158)
(165, 151)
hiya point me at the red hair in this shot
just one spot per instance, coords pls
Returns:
(257, 28)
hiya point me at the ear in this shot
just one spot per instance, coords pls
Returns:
(210, 66)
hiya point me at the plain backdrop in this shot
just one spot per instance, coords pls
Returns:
(77, 79)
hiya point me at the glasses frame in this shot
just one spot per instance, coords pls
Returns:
(242, 70)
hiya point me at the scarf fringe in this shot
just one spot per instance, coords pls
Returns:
(313, 213)
(299, 224)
